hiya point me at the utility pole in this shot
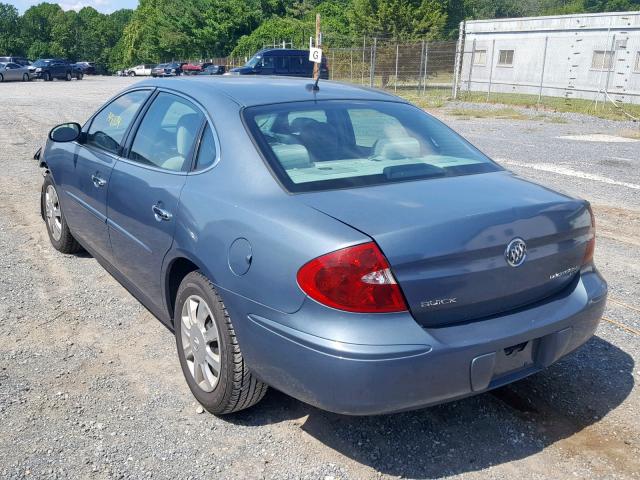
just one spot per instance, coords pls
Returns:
(316, 66)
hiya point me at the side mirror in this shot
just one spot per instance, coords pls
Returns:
(66, 132)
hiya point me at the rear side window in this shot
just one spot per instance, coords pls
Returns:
(340, 144)
(282, 64)
(167, 133)
(207, 149)
(109, 126)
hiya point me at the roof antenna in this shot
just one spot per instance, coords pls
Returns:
(315, 55)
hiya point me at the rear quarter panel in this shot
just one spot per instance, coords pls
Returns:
(239, 199)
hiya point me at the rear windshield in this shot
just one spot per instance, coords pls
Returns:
(340, 144)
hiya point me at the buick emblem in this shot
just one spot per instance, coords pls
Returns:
(516, 252)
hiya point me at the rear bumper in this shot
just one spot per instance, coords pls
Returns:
(409, 366)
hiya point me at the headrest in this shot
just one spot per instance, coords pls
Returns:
(397, 148)
(302, 123)
(185, 132)
(292, 155)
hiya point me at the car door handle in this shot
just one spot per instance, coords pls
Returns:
(161, 214)
(98, 181)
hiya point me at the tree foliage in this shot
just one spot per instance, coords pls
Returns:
(162, 30)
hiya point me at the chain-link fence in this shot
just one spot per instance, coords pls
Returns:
(553, 64)
(420, 67)
(417, 66)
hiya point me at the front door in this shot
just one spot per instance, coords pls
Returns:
(13, 72)
(144, 191)
(85, 180)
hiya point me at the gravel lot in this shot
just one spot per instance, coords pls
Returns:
(90, 385)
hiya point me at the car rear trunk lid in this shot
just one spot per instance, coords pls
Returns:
(446, 239)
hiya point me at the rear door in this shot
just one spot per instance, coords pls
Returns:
(85, 179)
(145, 188)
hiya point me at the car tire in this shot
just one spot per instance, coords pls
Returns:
(132, 74)
(68, 77)
(79, 76)
(47, 77)
(1, 78)
(25, 77)
(206, 339)
(57, 228)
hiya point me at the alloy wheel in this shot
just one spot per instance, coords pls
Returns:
(200, 342)
(53, 212)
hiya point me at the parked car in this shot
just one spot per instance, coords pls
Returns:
(87, 68)
(143, 70)
(194, 68)
(13, 71)
(340, 245)
(283, 62)
(167, 70)
(24, 62)
(213, 70)
(50, 68)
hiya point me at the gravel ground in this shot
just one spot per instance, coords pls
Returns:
(90, 385)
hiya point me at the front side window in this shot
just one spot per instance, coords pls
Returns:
(109, 126)
(341, 144)
(268, 62)
(167, 133)
(505, 58)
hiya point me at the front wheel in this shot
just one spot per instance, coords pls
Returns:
(68, 77)
(25, 77)
(132, 74)
(208, 349)
(57, 228)
(47, 77)
(79, 76)
(1, 78)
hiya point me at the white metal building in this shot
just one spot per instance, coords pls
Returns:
(592, 56)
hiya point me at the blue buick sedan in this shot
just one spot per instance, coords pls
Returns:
(339, 245)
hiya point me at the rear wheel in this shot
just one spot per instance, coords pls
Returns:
(1, 78)
(25, 77)
(79, 76)
(47, 77)
(57, 228)
(209, 353)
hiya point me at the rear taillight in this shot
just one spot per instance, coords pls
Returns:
(591, 244)
(355, 279)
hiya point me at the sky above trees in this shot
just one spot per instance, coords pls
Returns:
(104, 6)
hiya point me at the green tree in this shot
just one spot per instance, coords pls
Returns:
(10, 41)
(36, 27)
(399, 19)
(273, 30)
(611, 5)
